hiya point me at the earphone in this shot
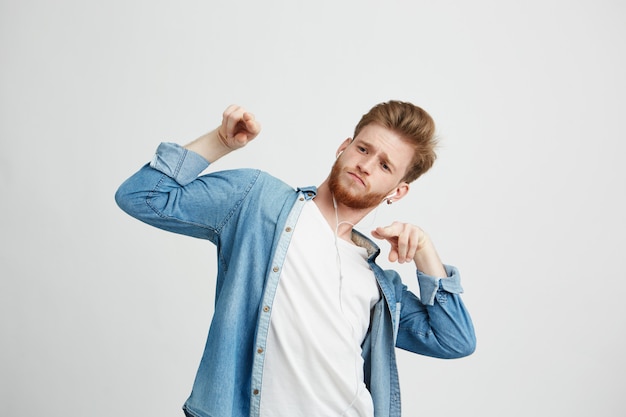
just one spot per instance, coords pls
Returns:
(388, 199)
(339, 266)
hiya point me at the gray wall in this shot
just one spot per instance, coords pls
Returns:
(101, 315)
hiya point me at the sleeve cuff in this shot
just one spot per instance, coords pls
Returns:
(178, 163)
(429, 285)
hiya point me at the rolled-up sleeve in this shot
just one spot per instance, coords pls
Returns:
(429, 285)
(178, 163)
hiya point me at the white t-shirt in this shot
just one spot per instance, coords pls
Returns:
(320, 316)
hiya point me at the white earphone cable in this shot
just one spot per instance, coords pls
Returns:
(356, 354)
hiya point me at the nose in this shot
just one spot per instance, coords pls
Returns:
(365, 164)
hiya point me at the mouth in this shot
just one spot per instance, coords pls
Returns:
(356, 178)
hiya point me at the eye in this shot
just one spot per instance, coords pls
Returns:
(362, 149)
(385, 167)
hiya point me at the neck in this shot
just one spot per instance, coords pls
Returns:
(340, 218)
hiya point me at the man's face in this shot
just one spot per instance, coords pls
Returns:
(370, 167)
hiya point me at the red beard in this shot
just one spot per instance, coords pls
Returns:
(343, 196)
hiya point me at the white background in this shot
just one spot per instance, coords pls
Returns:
(101, 315)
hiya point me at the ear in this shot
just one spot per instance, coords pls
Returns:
(343, 146)
(400, 191)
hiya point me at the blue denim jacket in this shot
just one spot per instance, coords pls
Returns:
(250, 215)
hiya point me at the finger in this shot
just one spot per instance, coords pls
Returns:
(377, 234)
(247, 117)
(404, 240)
(403, 245)
(251, 124)
(386, 232)
(246, 129)
(231, 108)
(232, 117)
(225, 117)
(389, 234)
(408, 242)
(412, 244)
(393, 254)
(228, 112)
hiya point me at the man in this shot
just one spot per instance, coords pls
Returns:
(305, 321)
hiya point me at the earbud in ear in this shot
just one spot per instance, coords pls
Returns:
(388, 199)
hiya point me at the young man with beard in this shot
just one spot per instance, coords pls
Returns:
(305, 321)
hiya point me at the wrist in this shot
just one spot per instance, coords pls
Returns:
(427, 259)
(222, 138)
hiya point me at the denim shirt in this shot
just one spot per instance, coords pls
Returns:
(250, 216)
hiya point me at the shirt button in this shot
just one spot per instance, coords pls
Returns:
(288, 229)
(266, 309)
(255, 392)
(301, 198)
(259, 350)
(275, 269)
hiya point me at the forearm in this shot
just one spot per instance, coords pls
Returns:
(238, 128)
(427, 259)
(209, 146)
